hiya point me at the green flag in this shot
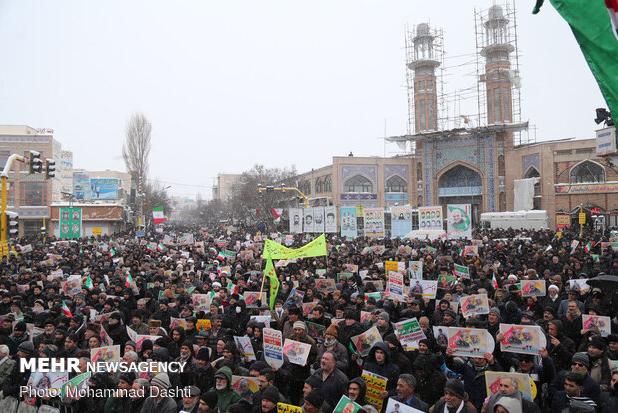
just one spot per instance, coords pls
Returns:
(269, 271)
(594, 24)
(89, 283)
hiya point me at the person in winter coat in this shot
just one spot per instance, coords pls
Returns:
(298, 374)
(429, 379)
(397, 354)
(406, 387)
(379, 362)
(600, 370)
(333, 382)
(331, 344)
(580, 365)
(543, 374)
(611, 404)
(357, 389)
(473, 373)
(508, 388)
(226, 396)
(560, 347)
(454, 399)
(158, 402)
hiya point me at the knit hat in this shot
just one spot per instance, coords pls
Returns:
(272, 394)
(384, 316)
(597, 342)
(20, 326)
(315, 398)
(192, 391)
(455, 387)
(154, 323)
(582, 358)
(612, 338)
(332, 330)
(409, 379)
(210, 398)
(300, 324)
(26, 347)
(495, 311)
(161, 380)
(314, 382)
(203, 354)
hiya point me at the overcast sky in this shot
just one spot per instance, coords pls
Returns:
(230, 83)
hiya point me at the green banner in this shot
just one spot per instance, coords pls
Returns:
(70, 223)
(276, 251)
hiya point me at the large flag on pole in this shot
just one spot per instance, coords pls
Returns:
(595, 26)
(158, 215)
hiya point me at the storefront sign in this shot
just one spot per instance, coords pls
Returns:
(577, 189)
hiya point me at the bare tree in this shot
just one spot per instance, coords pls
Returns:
(136, 148)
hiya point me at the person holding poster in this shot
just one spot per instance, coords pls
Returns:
(378, 361)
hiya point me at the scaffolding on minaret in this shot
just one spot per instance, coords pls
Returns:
(497, 68)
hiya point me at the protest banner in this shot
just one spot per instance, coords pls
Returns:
(288, 408)
(107, 353)
(395, 406)
(48, 381)
(459, 221)
(470, 342)
(446, 281)
(251, 298)
(523, 339)
(401, 221)
(273, 347)
(203, 325)
(346, 405)
(374, 222)
(308, 308)
(296, 352)
(177, 322)
(596, 322)
(533, 288)
(376, 384)
(315, 330)
(461, 271)
(430, 218)
(579, 285)
(295, 298)
(409, 332)
(76, 384)
(492, 382)
(416, 270)
(201, 302)
(472, 305)
(391, 266)
(470, 250)
(394, 287)
(245, 348)
(429, 287)
(364, 341)
(325, 285)
(246, 386)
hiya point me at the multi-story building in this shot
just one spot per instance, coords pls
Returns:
(30, 195)
(225, 186)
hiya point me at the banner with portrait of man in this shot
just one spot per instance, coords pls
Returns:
(296, 220)
(459, 221)
(330, 219)
(401, 221)
(348, 222)
(308, 218)
(430, 218)
(318, 219)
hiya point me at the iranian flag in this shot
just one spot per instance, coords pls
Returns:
(158, 215)
(66, 311)
(276, 213)
(494, 282)
(588, 247)
(128, 281)
(88, 284)
(595, 26)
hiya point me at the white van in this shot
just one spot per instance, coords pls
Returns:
(534, 220)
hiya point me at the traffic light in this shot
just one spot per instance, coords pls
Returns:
(12, 220)
(36, 165)
(50, 168)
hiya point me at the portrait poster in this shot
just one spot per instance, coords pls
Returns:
(579, 285)
(296, 352)
(318, 219)
(139, 340)
(245, 386)
(492, 382)
(308, 308)
(409, 332)
(533, 288)
(325, 285)
(376, 384)
(374, 222)
(104, 354)
(330, 219)
(470, 342)
(596, 322)
(43, 381)
(348, 222)
(364, 341)
(472, 305)
(459, 221)
(523, 339)
(203, 324)
(177, 322)
(415, 270)
(430, 218)
(201, 302)
(315, 330)
(273, 347)
(296, 220)
(346, 405)
(394, 286)
(245, 348)
(295, 298)
(429, 287)
(395, 406)
(401, 221)
(251, 298)
(441, 335)
(308, 221)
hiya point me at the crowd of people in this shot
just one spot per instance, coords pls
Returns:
(147, 284)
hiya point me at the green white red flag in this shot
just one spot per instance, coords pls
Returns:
(158, 215)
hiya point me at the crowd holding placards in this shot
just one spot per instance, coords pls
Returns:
(507, 321)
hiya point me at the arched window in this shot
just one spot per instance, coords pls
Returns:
(319, 186)
(328, 184)
(532, 173)
(460, 176)
(587, 172)
(305, 187)
(396, 184)
(358, 183)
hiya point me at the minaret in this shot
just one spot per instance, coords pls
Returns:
(424, 65)
(496, 51)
